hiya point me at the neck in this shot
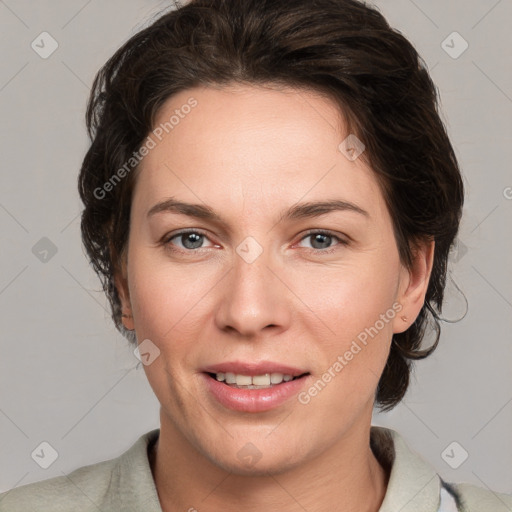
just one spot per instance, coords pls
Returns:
(346, 478)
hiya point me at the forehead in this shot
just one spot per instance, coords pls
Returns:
(264, 144)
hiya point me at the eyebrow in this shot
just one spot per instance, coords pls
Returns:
(296, 212)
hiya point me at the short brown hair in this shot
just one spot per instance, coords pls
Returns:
(343, 49)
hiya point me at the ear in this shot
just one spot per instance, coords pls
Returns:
(121, 284)
(413, 285)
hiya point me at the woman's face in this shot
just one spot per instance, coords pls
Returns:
(250, 290)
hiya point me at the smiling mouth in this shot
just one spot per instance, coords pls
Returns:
(264, 381)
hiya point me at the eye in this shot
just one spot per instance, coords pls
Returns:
(322, 240)
(190, 240)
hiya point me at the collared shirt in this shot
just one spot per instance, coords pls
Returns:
(126, 484)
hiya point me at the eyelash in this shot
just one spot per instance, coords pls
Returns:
(341, 242)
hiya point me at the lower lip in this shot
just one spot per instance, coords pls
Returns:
(253, 400)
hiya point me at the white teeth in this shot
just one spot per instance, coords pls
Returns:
(276, 378)
(266, 380)
(230, 378)
(243, 380)
(260, 380)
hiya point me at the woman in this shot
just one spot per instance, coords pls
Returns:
(270, 200)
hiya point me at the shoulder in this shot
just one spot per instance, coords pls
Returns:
(414, 485)
(82, 489)
(124, 483)
(477, 499)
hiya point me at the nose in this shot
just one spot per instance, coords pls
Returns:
(254, 299)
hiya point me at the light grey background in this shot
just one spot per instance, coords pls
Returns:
(68, 378)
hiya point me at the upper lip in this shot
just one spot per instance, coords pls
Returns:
(252, 369)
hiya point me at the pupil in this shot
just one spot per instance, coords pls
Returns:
(191, 240)
(323, 239)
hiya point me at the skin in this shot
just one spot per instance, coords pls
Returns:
(249, 153)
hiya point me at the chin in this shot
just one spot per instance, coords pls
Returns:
(257, 453)
(272, 464)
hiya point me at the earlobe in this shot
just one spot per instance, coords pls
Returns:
(414, 284)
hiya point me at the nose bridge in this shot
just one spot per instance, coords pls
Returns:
(254, 298)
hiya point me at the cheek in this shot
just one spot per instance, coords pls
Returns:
(168, 304)
(353, 312)
(167, 298)
(350, 298)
